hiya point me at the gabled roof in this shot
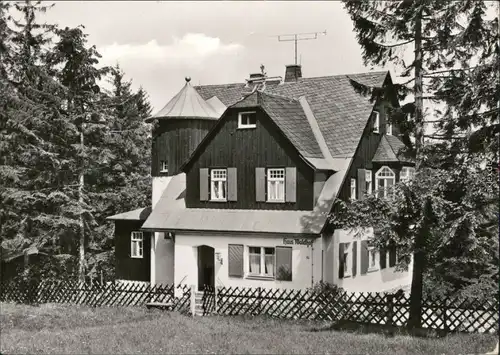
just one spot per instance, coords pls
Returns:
(340, 111)
(171, 214)
(390, 149)
(290, 118)
(288, 115)
(187, 104)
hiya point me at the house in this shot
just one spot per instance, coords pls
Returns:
(245, 175)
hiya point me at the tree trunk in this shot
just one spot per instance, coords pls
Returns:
(81, 266)
(419, 254)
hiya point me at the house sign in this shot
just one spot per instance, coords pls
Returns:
(297, 241)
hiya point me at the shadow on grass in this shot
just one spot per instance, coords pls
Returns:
(382, 329)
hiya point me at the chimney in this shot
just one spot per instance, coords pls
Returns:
(293, 72)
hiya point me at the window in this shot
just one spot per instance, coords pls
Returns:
(346, 261)
(388, 124)
(353, 189)
(218, 185)
(136, 246)
(385, 179)
(247, 120)
(388, 128)
(407, 173)
(368, 181)
(373, 259)
(276, 185)
(163, 166)
(261, 261)
(376, 121)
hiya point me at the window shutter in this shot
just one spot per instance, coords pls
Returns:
(284, 263)
(232, 183)
(383, 258)
(392, 254)
(354, 258)
(260, 184)
(204, 182)
(291, 184)
(361, 184)
(364, 257)
(235, 260)
(341, 260)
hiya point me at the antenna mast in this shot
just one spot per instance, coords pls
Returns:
(295, 37)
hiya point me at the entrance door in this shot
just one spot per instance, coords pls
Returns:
(206, 268)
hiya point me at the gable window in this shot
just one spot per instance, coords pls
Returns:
(163, 166)
(247, 120)
(136, 245)
(385, 179)
(388, 129)
(368, 182)
(407, 173)
(261, 261)
(375, 121)
(388, 124)
(353, 189)
(276, 185)
(218, 185)
(373, 259)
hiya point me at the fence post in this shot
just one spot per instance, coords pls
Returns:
(215, 298)
(193, 299)
(390, 309)
(259, 301)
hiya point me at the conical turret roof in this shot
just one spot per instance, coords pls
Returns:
(187, 104)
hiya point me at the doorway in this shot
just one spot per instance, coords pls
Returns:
(206, 269)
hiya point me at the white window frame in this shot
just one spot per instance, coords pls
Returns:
(137, 238)
(163, 166)
(384, 178)
(373, 258)
(368, 182)
(262, 262)
(376, 122)
(407, 173)
(270, 179)
(217, 178)
(348, 260)
(388, 129)
(353, 189)
(245, 125)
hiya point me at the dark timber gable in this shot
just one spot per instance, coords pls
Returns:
(265, 146)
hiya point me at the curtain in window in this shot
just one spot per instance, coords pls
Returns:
(254, 259)
(269, 261)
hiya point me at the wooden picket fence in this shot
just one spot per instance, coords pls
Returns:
(366, 308)
(95, 294)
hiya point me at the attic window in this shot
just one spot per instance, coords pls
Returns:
(247, 120)
(375, 119)
(164, 166)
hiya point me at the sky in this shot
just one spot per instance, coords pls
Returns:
(159, 43)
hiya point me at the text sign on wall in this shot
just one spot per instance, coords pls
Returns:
(297, 241)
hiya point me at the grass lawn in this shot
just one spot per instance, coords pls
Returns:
(64, 329)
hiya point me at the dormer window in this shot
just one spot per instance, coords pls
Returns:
(247, 120)
(388, 124)
(163, 166)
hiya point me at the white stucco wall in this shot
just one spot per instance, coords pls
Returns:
(162, 250)
(379, 280)
(163, 261)
(159, 185)
(186, 270)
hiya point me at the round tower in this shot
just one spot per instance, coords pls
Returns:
(178, 128)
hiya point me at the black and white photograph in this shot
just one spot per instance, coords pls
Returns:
(249, 177)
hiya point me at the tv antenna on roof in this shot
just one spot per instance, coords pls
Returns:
(295, 37)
